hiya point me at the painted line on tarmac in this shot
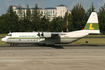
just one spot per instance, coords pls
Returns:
(11, 60)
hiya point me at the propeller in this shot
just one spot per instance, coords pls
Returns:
(38, 34)
(42, 34)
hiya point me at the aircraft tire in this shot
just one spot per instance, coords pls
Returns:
(11, 44)
(51, 45)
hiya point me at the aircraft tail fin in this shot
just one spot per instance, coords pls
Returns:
(92, 25)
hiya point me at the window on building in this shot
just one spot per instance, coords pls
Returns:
(23, 12)
(32, 11)
(38, 11)
(17, 12)
(44, 12)
(49, 12)
(53, 12)
(41, 12)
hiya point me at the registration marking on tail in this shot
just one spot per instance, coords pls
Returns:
(91, 28)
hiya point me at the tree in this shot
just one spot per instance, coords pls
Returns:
(28, 13)
(2, 24)
(44, 25)
(57, 25)
(20, 11)
(70, 25)
(36, 19)
(11, 20)
(101, 14)
(88, 12)
(78, 17)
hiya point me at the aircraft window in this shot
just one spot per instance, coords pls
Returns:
(9, 35)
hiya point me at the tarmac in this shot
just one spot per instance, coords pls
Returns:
(58, 57)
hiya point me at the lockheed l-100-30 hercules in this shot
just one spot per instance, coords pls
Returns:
(51, 38)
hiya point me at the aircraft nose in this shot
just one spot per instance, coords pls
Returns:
(3, 40)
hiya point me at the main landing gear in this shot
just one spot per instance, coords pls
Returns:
(11, 44)
(14, 44)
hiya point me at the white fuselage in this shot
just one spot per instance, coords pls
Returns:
(32, 37)
(51, 38)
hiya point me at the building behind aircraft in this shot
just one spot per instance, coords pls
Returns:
(51, 12)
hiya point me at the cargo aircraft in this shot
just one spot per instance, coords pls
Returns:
(51, 38)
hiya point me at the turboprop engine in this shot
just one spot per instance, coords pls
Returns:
(44, 34)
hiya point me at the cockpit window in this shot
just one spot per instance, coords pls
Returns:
(9, 35)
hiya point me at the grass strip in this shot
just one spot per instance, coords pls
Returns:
(2, 43)
(90, 41)
(96, 36)
(3, 35)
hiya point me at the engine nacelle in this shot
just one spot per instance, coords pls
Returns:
(46, 35)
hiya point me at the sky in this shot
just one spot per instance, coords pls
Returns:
(4, 4)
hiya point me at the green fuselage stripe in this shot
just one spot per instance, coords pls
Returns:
(42, 38)
(25, 38)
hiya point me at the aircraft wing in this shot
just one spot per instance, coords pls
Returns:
(50, 34)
